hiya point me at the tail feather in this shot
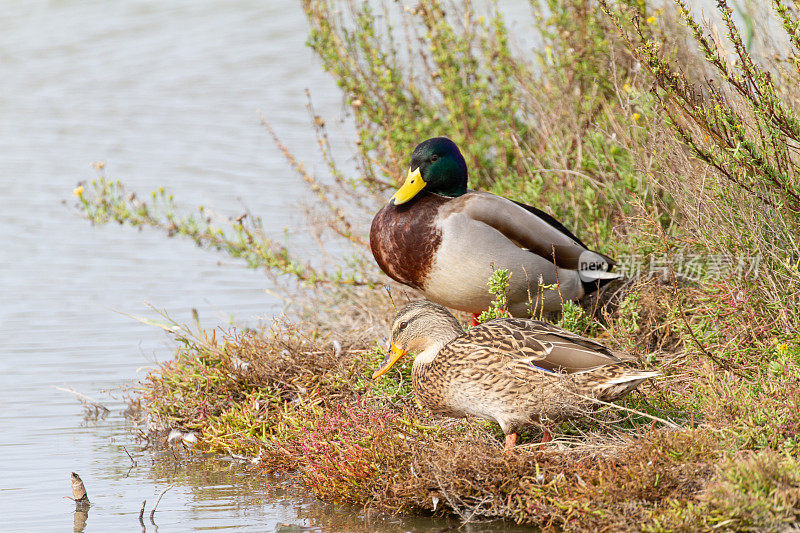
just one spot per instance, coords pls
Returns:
(598, 274)
(615, 382)
(633, 376)
(594, 270)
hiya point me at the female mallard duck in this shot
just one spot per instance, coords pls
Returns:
(514, 371)
(439, 237)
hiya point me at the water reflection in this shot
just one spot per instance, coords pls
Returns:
(81, 516)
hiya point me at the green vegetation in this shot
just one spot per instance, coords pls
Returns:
(498, 287)
(663, 143)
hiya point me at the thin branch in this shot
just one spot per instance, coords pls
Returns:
(153, 512)
(628, 409)
(86, 399)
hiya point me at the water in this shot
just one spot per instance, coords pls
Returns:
(165, 94)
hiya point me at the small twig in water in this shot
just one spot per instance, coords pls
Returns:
(133, 461)
(94, 403)
(141, 512)
(153, 512)
(79, 491)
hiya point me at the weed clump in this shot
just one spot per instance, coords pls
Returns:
(292, 400)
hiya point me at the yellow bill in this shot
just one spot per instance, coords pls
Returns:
(413, 184)
(391, 358)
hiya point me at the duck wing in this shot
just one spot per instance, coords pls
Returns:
(544, 346)
(536, 231)
(550, 220)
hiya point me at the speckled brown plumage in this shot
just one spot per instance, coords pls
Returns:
(492, 381)
(404, 238)
(516, 372)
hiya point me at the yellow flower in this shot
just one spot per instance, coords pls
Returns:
(626, 88)
(78, 191)
(636, 117)
(651, 20)
(782, 347)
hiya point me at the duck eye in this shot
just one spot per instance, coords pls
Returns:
(402, 325)
(434, 158)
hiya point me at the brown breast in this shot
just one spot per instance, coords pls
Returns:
(431, 382)
(404, 238)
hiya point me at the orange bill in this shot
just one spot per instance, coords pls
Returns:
(391, 358)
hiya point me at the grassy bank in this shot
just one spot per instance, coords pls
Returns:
(668, 145)
(293, 400)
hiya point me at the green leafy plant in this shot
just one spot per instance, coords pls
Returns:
(242, 237)
(498, 287)
(737, 113)
(576, 319)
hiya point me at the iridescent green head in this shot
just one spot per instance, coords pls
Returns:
(436, 166)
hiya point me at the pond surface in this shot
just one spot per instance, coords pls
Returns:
(166, 94)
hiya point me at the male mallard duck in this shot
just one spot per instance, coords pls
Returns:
(439, 237)
(514, 371)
